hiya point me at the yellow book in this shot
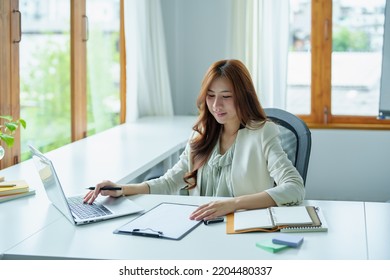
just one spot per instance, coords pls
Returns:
(21, 186)
(17, 195)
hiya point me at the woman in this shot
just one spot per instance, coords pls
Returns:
(234, 152)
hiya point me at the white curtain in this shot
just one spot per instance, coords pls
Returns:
(148, 85)
(261, 40)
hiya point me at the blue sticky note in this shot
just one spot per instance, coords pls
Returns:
(290, 240)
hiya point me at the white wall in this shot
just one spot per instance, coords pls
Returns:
(197, 35)
(349, 165)
(344, 164)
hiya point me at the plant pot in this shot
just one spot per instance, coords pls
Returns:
(2, 152)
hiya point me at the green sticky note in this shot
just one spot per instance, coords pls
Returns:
(269, 246)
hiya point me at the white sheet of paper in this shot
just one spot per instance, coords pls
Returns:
(291, 215)
(259, 218)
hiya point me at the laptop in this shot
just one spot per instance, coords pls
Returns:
(73, 208)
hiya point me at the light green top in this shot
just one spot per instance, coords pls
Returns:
(216, 173)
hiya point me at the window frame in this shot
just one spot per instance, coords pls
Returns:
(9, 73)
(321, 90)
(78, 69)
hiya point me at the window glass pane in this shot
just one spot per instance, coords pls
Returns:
(45, 74)
(103, 64)
(298, 97)
(357, 56)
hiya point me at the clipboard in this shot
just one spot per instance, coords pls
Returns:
(166, 220)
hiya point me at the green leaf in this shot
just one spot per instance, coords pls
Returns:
(12, 126)
(23, 123)
(8, 139)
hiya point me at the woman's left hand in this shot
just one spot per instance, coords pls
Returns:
(213, 210)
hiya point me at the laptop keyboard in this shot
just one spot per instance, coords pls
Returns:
(85, 210)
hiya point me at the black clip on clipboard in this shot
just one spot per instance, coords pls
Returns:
(166, 220)
(147, 232)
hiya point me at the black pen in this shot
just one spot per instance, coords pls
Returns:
(107, 188)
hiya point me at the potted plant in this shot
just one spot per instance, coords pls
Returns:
(7, 131)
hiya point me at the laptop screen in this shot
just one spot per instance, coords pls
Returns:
(51, 183)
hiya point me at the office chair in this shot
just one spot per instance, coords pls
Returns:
(295, 138)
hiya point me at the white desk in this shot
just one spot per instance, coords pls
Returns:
(119, 154)
(32, 228)
(345, 239)
(30, 214)
(23, 217)
(378, 229)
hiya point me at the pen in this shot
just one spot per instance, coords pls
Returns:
(7, 186)
(107, 188)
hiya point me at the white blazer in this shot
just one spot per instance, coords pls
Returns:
(259, 164)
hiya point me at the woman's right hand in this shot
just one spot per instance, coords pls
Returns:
(92, 195)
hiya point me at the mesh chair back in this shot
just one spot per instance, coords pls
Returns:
(295, 138)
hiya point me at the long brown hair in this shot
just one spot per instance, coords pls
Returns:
(247, 104)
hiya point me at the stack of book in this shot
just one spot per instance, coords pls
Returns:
(14, 189)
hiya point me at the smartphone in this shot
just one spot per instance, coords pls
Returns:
(214, 221)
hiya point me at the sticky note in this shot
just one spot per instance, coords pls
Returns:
(269, 246)
(290, 240)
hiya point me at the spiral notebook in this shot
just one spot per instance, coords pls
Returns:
(284, 219)
(320, 226)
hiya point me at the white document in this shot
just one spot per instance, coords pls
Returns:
(250, 219)
(166, 220)
(291, 215)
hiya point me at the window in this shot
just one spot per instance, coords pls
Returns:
(45, 70)
(61, 97)
(45, 85)
(357, 43)
(298, 97)
(103, 65)
(335, 62)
